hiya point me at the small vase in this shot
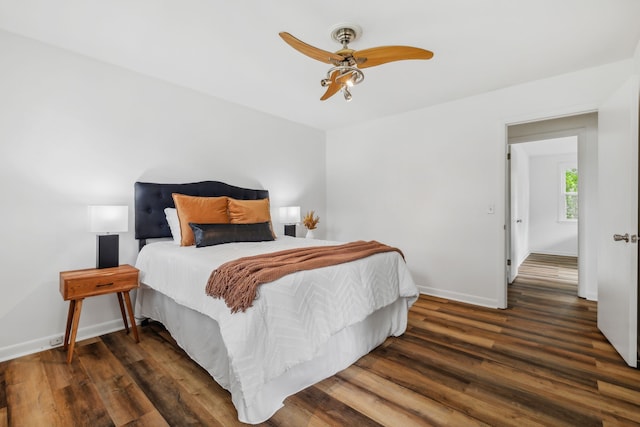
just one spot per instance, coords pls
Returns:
(310, 234)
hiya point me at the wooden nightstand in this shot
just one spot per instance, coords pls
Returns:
(77, 285)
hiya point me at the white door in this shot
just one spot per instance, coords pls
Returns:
(519, 203)
(618, 215)
(512, 261)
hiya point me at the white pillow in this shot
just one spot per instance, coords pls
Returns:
(174, 224)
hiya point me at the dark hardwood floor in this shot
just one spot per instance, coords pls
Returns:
(540, 362)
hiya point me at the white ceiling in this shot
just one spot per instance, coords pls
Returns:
(231, 49)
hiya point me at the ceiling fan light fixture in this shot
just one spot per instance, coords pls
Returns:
(346, 74)
(347, 95)
(342, 77)
(355, 79)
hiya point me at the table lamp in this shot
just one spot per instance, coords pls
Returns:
(108, 219)
(290, 216)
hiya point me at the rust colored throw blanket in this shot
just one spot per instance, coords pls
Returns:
(237, 281)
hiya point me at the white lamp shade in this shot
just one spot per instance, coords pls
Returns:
(108, 219)
(290, 214)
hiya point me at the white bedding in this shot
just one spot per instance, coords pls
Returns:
(293, 318)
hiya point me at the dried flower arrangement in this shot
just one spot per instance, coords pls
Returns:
(311, 220)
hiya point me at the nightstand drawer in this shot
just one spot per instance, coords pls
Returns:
(90, 282)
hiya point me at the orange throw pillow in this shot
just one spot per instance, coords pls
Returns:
(249, 212)
(201, 210)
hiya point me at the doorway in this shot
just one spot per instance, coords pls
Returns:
(544, 200)
(538, 225)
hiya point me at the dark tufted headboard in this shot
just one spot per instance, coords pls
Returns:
(151, 199)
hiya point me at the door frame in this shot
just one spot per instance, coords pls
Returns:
(502, 288)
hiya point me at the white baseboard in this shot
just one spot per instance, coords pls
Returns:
(560, 253)
(592, 296)
(521, 260)
(40, 344)
(460, 297)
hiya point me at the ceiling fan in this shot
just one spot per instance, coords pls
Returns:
(348, 63)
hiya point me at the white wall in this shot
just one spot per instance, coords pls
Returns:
(425, 180)
(549, 235)
(74, 132)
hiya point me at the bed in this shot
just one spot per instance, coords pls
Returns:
(301, 328)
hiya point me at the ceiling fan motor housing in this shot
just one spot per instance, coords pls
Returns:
(346, 33)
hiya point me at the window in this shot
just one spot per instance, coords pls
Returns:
(569, 192)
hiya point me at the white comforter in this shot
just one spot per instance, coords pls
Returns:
(291, 318)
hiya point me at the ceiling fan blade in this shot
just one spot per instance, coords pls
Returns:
(311, 51)
(383, 54)
(333, 87)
